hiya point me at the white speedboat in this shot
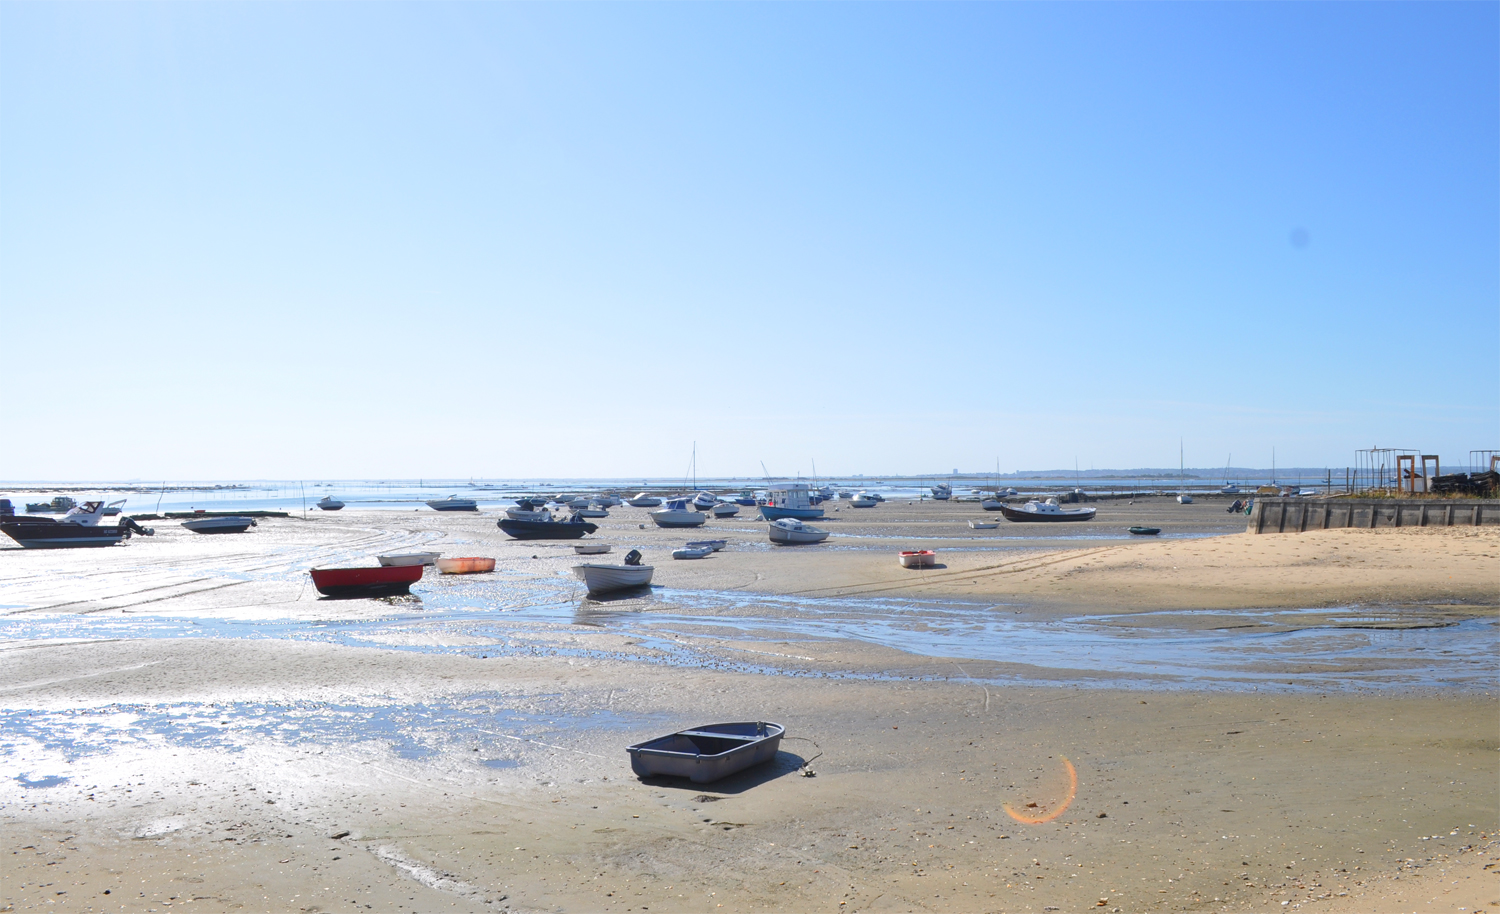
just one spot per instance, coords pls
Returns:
(983, 524)
(726, 509)
(705, 501)
(529, 509)
(592, 548)
(990, 503)
(234, 524)
(942, 491)
(453, 503)
(676, 513)
(581, 501)
(789, 531)
(329, 503)
(409, 558)
(605, 578)
(86, 514)
(862, 501)
(643, 501)
(590, 512)
(692, 552)
(608, 501)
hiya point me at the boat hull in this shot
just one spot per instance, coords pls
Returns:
(545, 530)
(466, 565)
(220, 524)
(771, 512)
(783, 537)
(409, 558)
(707, 753)
(1144, 531)
(678, 518)
(924, 559)
(380, 581)
(54, 535)
(607, 578)
(1061, 517)
(436, 507)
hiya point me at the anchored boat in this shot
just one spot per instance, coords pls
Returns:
(384, 580)
(792, 532)
(707, 753)
(453, 503)
(1045, 512)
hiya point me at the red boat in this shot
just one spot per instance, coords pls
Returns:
(380, 581)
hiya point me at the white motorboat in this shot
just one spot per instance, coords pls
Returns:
(715, 545)
(726, 509)
(643, 501)
(233, 524)
(676, 513)
(942, 491)
(983, 524)
(329, 503)
(1184, 499)
(581, 501)
(591, 512)
(605, 578)
(692, 552)
(990, 503)
(789, 531)
(409, 558)
(1230, 489)
(705, 501)
(592, 548)
(453, 503)
(608, 501)
(1046, 511)
(846, 494)
(862, 501)
(529, 509)
(86, 514)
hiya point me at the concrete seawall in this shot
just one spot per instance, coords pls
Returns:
(1294, 515)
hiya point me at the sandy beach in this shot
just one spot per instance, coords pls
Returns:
(1275, 722)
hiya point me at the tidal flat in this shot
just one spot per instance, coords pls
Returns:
(1053, 718)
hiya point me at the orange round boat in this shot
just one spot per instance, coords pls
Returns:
(472, 564)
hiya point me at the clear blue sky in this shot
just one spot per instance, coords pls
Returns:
(369, 240)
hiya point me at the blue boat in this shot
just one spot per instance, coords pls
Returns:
(792, 499)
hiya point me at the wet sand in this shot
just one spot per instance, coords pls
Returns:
(189, 725)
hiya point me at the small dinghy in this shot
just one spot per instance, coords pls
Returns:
(1144, 531)
(924, 558)
(592, 548)
(983, 524)
(788, 531)
(726, 509)
(715, 545)
(707, 753)
(862, 500)
(472, 564)
(409, 558)
(606, 578)
(234, 524)
(382, 581)
(692, 552)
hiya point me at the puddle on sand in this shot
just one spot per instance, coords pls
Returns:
(530, 615)
(40, 783)
(487, 724)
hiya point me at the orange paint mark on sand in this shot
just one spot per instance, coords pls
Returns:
(1042, 814)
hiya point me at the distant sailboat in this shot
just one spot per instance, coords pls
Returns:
(1183, 498)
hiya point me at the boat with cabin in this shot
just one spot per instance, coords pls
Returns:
(725, 509)
(329, 503)
(942, 491)
(862, 500)
(643, 501)
(791, 499)
(1048, 511)
(62, 504)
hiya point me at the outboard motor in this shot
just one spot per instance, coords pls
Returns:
(130, 526)
(633, 557)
